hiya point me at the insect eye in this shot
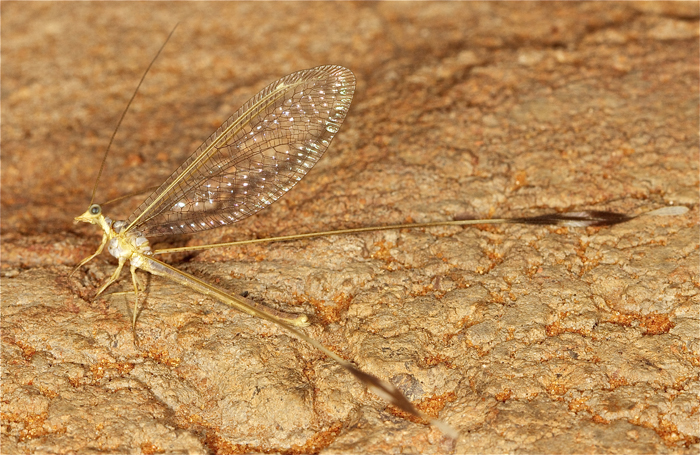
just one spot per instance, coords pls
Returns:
(95, 209)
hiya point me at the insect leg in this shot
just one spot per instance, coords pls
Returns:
(136, 302)
(113, 278)
(90, 258)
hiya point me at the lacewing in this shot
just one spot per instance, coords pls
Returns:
(254, 158)
(248, 163)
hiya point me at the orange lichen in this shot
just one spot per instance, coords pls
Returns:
(383, 251)
(330, 314)
(431, 406)
(671, 436)
(99, 369)
(318, 442)
(617, 381)
(149, 448)
(34, 425)
(313, 445)
(656, 324)
(161, 357)
(598, 419)
(652, 324)
(504, 396)
(579, 404)
(27, 350)
(434, 360)
(556, 388)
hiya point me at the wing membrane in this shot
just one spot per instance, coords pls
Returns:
(255, 157)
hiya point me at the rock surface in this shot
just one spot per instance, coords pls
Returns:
(525, 339)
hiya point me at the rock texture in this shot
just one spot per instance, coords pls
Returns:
(526, 339)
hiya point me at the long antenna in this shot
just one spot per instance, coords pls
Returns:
(104, 159)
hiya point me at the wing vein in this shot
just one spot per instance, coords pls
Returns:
(255, 157)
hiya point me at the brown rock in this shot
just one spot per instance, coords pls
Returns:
(567, 340)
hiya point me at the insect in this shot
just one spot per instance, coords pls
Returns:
(254, 158)
(248, 163)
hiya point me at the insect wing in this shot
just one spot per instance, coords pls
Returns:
(255, 157)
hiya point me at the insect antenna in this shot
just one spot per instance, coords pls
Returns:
(126, 109)
(130, 195)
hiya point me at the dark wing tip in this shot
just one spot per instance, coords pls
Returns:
(577, 219)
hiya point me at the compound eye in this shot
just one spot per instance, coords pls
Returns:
(95, 209)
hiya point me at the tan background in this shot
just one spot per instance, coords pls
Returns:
(525, 339)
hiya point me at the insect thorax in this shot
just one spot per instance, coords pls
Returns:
(124, 245)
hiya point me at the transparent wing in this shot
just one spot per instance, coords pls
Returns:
(256, 156)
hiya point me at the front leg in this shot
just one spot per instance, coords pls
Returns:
(113, 278)
(105, 238)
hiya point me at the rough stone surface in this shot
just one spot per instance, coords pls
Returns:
(526, 339)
